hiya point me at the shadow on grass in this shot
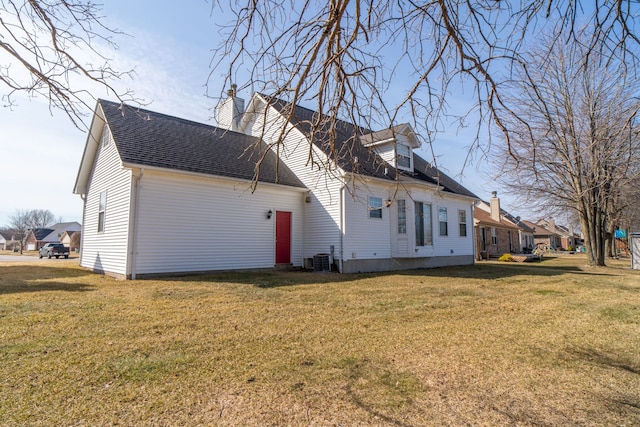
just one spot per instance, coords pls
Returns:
(606, 360)
(481, 271)
(30, 278)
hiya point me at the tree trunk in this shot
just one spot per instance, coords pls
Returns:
(593, 230)
(610, 248)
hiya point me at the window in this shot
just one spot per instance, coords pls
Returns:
(375, 207)
(424, 228)
(494, 237)
(403, 154)
(402, 217)
(462, 222)
(101, 210)
(442, 218)
(106, 137)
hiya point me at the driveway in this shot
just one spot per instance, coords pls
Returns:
(19, 258)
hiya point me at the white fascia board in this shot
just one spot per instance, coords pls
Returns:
(90, 149)
(134, 166)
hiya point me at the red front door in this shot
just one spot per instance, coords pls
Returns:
(283, 237)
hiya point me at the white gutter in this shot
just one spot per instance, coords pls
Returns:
(473, 233)
(133, 227)
(342, 224)
(210, 176)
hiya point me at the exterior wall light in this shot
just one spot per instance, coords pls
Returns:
(269, 214)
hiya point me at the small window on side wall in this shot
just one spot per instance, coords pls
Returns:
(106, 137)
(375, 207)
(442, 218)
(402, 217)
(462, 221)
(102, 208)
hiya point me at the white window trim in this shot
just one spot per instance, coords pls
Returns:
(102, 210)
(440, 210)
(403, 203)
(466, 232)
(424, 228)
(403, 150)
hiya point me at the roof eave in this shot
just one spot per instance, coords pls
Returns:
(90, 149)
(133, 166)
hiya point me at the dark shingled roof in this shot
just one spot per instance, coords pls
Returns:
(41, 233)
(368, 162)
(147, 138)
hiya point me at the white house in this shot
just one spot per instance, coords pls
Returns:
(144, 175)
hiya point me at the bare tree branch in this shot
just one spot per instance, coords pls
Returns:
(46, 49)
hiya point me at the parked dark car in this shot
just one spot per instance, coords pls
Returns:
(54, 249)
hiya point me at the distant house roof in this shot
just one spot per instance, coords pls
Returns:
(54, 232)
(483, 217)
(519, 222)
(147, 138)
(354, 157)
(539, 230)
(41, 233)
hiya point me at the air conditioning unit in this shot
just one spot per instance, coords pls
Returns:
(321, 263)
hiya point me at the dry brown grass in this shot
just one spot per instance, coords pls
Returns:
(552, 343)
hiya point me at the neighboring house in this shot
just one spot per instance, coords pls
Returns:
(38, 237)
(144, 173)
(7, 241)
(568, 239)
(545, 234)
(526, 241)
(495, 233)
(71, 239)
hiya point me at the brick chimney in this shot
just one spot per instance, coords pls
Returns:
(494, 203)
(229, 111)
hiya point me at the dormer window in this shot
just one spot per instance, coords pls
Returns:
(403, 156)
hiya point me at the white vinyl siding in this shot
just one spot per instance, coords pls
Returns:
(364, 238)
(216, 224)
(107, 251)
(322, 213)
(441, 245)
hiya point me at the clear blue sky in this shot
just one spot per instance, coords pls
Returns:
(169, 44)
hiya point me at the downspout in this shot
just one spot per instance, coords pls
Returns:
(342, 222)
(473, 233)
(134, 229)
(83, 197)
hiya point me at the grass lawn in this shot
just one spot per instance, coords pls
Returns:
(549, 343)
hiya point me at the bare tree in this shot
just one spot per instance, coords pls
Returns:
(23, 221)
(46, 45)
(40, 218)
(575, 136)
(349, 57)
(19, 222)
